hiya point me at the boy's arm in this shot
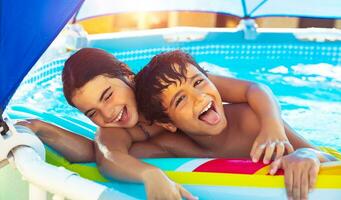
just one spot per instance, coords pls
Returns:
(112, 146)
(300, 167)
(73, 147)
(272, 136)
(299, 142)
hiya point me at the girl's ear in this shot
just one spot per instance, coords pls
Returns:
(168, 126)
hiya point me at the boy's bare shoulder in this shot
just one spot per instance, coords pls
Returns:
(170, 139)
(241, 116)
(179, 145)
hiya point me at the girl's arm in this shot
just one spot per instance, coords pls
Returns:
(73, 147)
(112, 148)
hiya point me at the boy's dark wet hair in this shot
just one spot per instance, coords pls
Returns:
(86, 64)
(156, 76)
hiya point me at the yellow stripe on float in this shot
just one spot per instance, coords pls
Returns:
(331, 168)
(242, 180)
(263, 171)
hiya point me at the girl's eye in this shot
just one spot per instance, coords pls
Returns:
(198, 82)
(178, 101)
(91, 115)
(108, 97)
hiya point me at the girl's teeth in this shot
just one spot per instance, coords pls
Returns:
(119, 116)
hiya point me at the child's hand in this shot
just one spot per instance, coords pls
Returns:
(300, 172)
(159, 186)
(268, 142)
(32, 124)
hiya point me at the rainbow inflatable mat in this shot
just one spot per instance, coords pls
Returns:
(214, 178)
(211, 178)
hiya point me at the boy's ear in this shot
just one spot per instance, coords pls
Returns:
(131, 78)
(168, 126)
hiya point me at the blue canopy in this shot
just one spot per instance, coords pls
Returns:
(239, 8)
(27, 28)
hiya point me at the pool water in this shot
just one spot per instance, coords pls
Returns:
(309, 94)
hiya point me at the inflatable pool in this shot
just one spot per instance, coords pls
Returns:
(209, 178)
(301, 66)
(281, 60)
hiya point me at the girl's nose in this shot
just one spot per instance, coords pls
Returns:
(108, 114)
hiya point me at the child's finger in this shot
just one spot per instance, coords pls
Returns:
(185, 194)
(289, 147)
(22, 123)
(288, 178)
(313, 172)
(275, 166)
(304, 185)
(296, 187)
(253, 149)
(280, 149)
(258, 153)
(270, 147)
(26, 123)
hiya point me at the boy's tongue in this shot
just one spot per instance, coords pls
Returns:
(211, 117)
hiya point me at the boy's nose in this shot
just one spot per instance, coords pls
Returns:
(199, 97)
(195, 92)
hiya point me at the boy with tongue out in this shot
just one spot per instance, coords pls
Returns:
(174, 92)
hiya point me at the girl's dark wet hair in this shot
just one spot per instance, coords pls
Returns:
(86, 64)
(160, 73)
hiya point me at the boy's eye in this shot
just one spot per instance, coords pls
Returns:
(178, 101)
(198, 82)
(107, 97)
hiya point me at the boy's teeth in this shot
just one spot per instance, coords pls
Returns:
(206, 108)
(119, 116)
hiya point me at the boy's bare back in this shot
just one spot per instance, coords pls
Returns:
(234, 142)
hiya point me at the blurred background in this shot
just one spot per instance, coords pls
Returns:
(154, 20)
